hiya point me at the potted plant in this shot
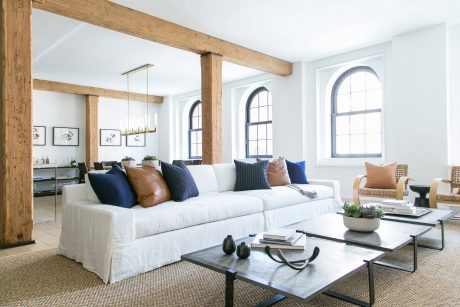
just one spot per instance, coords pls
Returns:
(361, 217)
(149, 161)
(128, 161)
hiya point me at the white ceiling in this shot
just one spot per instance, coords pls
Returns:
(68, 51)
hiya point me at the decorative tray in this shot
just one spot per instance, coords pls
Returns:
(418, 212)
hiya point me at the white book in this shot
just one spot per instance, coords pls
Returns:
(395, 202)
(298, 245)
(279, 234)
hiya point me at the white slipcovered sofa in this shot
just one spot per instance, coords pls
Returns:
(117, 243)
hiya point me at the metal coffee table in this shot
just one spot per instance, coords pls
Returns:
(390, 237)
(335, 263)
(432, 219)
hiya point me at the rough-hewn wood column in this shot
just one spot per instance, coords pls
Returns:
(16, 192)
(92, 145)
(211, 103)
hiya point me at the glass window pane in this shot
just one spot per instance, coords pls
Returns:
(342, 125)
(199, 122)
(270, 113)
(262, 147)
(262, 129)
(252, 133)
(263, 114)
(372, 82)
(198, 148)
(194, 122)
(372, 123)
(357, 144)
(269, 147)
(343, 103)
(199, 109)
(193, 151)
(252, 148)
(358, 81)
(263, 100)
(269, 132)
(344, 86)
(198, 137)
(374, 99)
(193, 137)
(255, 102)
(374, 143)
(342, 145)
(357, 124)
(269, 98)
(253, 115)
(358, 101)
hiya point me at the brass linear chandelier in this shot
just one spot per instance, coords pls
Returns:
(138, 125)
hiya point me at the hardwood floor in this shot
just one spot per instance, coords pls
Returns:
(45, 234)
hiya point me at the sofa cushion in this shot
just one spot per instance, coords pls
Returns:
(225, 176)
(277, 173)
(113, 188)
(179, 180)
(204, 177)
(148, 184)
(251, 176)
(297, 172)
(380, 176)
(207, 208)
(279, 197)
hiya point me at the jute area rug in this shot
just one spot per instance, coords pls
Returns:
(47, 279)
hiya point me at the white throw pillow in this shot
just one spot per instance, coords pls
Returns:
(226, 176)
(204, 177)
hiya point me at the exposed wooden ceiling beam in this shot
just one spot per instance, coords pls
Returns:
(125, 20)
(52, 86)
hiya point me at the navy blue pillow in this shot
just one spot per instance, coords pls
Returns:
(179, 180)
(113, 188)
(251, 176)
(296, 172)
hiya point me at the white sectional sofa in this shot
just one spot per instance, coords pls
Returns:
(117, 243)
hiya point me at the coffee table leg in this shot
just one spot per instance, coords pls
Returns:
(349, 299)
(229, 279)
(401, 268)
(442, 240)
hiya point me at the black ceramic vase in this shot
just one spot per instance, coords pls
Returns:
(229, 245)
(243, 251)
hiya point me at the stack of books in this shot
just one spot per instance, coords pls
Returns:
(280, 238)
(397, 206)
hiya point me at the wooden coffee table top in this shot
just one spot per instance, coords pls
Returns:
(390, 236)
(335, 262)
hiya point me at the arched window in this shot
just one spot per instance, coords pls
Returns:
(259, 137)
(357, 114)
(194, 131)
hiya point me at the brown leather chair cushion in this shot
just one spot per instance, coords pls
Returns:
(277, 173)
(149, 185)
(381, 176)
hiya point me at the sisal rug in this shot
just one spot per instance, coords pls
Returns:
(46, 279)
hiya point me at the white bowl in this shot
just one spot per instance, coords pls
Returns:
(361, 224)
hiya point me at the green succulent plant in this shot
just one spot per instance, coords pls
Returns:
(354, 210)
(150, 158)
(127, 158)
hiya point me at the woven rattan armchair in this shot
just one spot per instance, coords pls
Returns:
(451, 198)
(402, 179)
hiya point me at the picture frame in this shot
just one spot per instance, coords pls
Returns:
(109, 137)
(135, 140)
(66, 136)
(39, 135)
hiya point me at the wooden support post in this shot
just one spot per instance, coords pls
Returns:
(92, 144)
(211, 105)
(16, 191)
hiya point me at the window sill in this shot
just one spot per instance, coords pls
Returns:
(347, 161)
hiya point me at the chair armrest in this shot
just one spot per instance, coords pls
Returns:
(73, 192)
(401, 186)
(434, 190)
(334, 184)
(356, 185)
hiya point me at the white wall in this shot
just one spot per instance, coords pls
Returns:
(454, 93)
(59, 110)
(111, 112)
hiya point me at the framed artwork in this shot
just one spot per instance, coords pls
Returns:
(136, 140)
(39, 135)
(109, 137)
(65, 136)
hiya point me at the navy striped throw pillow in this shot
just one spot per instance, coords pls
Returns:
(179, 180)
(251, 176)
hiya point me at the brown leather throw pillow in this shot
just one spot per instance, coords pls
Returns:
(149, 185)
(277, 173)
(380, 176)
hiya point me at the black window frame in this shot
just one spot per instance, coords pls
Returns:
(249, 123)
(191, 129)
(334, 113)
